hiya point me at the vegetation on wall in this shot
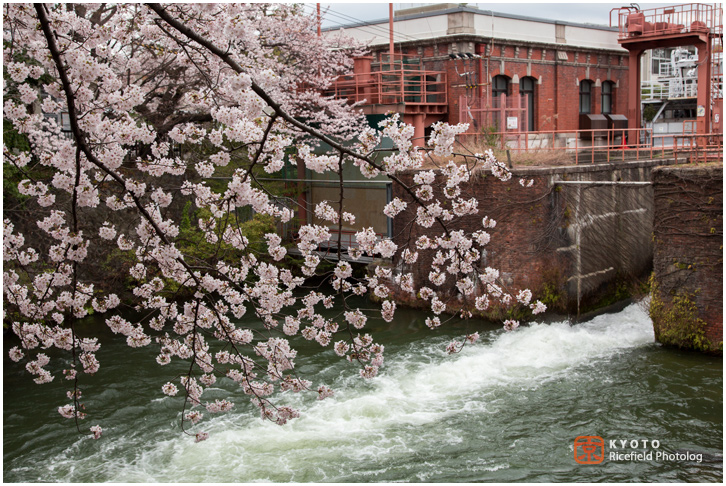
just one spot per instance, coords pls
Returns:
(676, 322)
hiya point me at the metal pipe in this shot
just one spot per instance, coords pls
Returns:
(605, 183)
(316, 181)
(319, 26)
(390, 39)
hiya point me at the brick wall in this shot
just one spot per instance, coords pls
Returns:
(557, 102)
(688, 255)
(517, 240)
(536, 243)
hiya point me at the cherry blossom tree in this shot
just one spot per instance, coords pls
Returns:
(240, 88)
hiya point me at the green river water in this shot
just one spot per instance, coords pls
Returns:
(506, 409)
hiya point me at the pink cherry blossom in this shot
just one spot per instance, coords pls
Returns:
(135, 156)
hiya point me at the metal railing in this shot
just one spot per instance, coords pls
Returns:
(347, 240)
(668, 89)
(603, 145)
(498, 111)
(409, 86)
(388, 62)
(653, 90)
(699, 147)
(665, 69)
(673, 19)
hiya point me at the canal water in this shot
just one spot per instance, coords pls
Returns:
(508, 408)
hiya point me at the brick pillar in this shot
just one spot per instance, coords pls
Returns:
(514, 85)
(597, 97)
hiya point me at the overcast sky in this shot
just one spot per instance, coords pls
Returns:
(342, 13)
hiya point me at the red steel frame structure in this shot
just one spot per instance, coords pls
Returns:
(420, 95)
(700, 25)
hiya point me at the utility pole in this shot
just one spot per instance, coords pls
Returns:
(390, 40)
(319, 31)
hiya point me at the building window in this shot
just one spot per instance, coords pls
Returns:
(500, 86)
(585, 96)
(660, 62)
(65, 122)
(607, 97)
(526, 89)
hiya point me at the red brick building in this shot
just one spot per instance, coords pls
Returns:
(469, 61)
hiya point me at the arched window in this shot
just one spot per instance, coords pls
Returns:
(526, 89)
(607, 97)
(500, 86)
(585, 96)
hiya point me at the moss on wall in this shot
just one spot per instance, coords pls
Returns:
(676, 322)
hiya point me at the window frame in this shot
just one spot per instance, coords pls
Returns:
(586, 96)
(498, 91)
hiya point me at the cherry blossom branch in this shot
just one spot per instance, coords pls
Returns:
(127, 129)
(73, 117)
(227, 58)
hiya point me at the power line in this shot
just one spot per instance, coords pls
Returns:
(375, 29)
(362, 28)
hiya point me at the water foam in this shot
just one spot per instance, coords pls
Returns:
(369, 429)
(419, 387)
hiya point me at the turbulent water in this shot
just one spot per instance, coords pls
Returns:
(505, 409)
